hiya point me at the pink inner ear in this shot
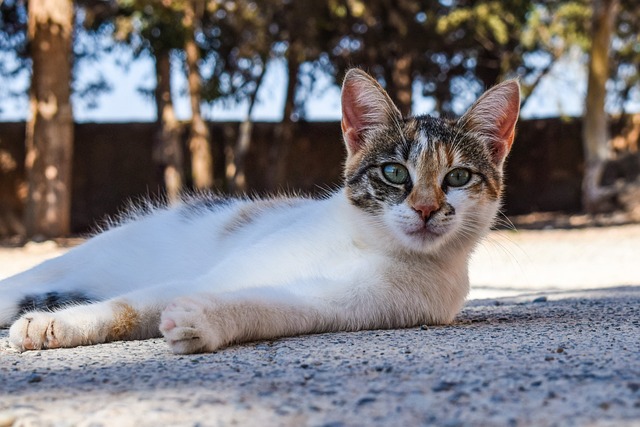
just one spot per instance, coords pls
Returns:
(352, 119)
(506, 134)
(507, 125)
(494, 115)
(365, 105)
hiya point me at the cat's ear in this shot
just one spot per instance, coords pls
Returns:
(365, 105)
(493, 116)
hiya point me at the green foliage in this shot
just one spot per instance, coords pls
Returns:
(480, 45)
(14, 61)
(454, 46)
(234, 43)
(13, 26)
(626, 60)
(491, 21)
(556, 26)
(150, 24)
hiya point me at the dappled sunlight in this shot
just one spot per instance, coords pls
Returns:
(48, 107)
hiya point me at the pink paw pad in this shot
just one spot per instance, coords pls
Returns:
(168, 325)
(28, 344)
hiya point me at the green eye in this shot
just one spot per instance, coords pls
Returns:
(395, 173)
(458, 177)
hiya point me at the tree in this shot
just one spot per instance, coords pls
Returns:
(625, 87)
(605, 31)
(213, 36)
(14, 64)
(236, 173)
(13, 47)
(158, 29)
(453, 49)
(49, 136)
(243, 36)
(165, 30)
(553, 30)
(297, 26)
(168, 145)
(595, 133)
(236, 48)
(199, 137)
(627, 54)
(480, 45)
(387, 38)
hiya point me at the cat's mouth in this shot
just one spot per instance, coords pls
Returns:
(426, 232)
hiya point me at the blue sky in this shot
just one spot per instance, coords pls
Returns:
(562, 92)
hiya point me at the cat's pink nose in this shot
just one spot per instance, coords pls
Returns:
(426, 210)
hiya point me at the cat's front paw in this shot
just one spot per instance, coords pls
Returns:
(185, 327)
(40, 330)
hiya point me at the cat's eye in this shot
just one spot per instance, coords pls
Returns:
(457, 177)
(395, 173)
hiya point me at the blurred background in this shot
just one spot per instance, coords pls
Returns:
(104, 102)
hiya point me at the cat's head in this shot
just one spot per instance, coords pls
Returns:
(425, 180)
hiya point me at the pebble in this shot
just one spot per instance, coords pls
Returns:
(365, 401)
(7, 419)
(443, 386)
(34, 378)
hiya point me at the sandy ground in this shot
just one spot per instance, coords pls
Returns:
(550, 336)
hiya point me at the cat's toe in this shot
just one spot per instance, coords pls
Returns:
(185, 341)
(184, 329)
(36, 331)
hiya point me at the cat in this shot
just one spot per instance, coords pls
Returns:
(388, 250)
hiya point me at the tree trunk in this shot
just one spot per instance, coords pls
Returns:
(167, 150)
(400, 87)
(49, 135)
(283, 138)
(595, 130)
(199, 136)
(235, 170)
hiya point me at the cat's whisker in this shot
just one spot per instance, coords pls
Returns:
(504, 220)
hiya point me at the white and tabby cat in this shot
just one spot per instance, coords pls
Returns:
(389, 250)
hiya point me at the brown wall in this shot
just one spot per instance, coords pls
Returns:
(113, 163)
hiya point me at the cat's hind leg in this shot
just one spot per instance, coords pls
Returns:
(54, 284)
(48, 297)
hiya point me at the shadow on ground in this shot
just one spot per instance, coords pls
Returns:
(568, 358)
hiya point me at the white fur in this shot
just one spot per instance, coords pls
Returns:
(321, 261)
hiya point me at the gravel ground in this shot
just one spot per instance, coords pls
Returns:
(550, 336)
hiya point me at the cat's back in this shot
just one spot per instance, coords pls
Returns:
(216, 225)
